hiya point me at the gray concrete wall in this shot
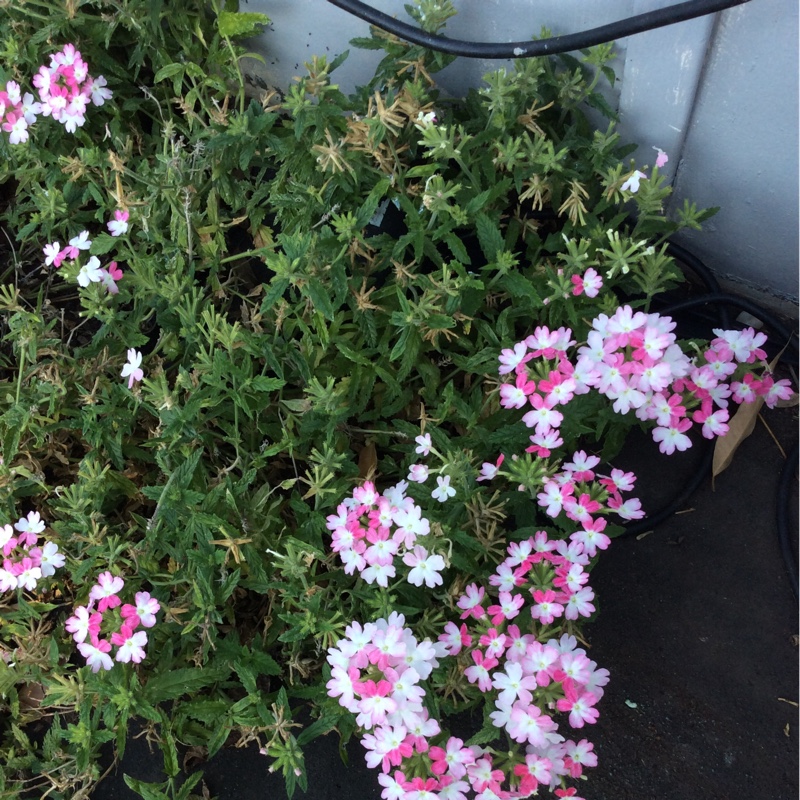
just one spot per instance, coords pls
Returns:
(741, 150)
(719, 94)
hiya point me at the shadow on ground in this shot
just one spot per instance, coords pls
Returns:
(697, 626)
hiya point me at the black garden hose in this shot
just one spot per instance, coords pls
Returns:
(662, 515)
(784, 536)
(680, 253)
(542, 47)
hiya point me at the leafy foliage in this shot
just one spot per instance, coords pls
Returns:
(310, 279)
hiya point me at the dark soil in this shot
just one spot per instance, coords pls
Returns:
(697, 626)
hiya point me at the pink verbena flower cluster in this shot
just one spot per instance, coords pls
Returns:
(119, 627)
(569, 491)
(370, 529)
(377, 672)
(633, 359)
(516, 649)
(531, 670)
(24, 561)
(65, 89)
(91, 271)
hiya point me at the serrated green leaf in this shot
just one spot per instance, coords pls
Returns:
(188, 785)
(174, 683)
(276, 290)
(103, 243)
(352, 355)
(457, 248)
(318, 728)
(488, 733)
(168, 748)
(489, 236)
(519, 287)
(320, 297)
(234, 24)
(365, 43)
(265, 384)
(169, 71)
(147, 791)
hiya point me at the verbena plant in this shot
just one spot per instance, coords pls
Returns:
(221, 313)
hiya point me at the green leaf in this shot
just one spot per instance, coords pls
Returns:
(8, 677)
(321, 726)
(320, 297)
(488, 733)
(489, 236)
(171, 766)
(519, 287)
(188, 785)
(276, 289)
(177, 682)
(103, 243)
(264, 384)
(265, 663)
(170, 71)
(457, 248)
(235, 24)
(147, 791)
(365, 43)
(488, 196)
(596, 100)
(207, 711)
(351, 354)
(219, 738)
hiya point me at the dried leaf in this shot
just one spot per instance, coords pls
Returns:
(367, 461)
(740, 427)
(31, 696)
(790, 403)
(194, 756)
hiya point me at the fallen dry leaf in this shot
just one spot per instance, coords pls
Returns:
(367, 461)
(31, 696)
(790, 403)
(740, 427)
(194, 756)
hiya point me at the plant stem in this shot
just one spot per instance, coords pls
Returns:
(19, 377)
(246, 254)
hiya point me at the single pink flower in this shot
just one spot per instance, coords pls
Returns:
(119, 225)
(132, 370)
(105, 591)
(632, 183)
